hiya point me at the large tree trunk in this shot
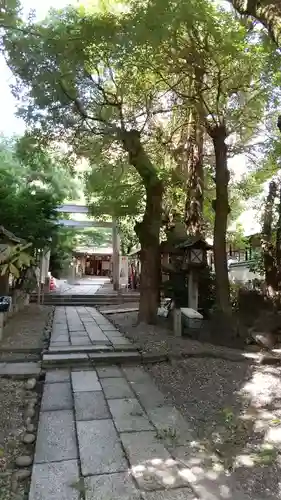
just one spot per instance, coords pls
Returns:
(221, 207)
(270, 269)
(148, 231)
(195, 178)
(267, 12)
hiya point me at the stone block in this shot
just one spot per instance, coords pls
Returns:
(59, 344)
(20, 369)
(56, 440)
(75, 327)
(103, 321)
(179, 494)
(109, 328)
(111, 487)
(151, 465)
(111, 334)
(59, 328)
(90, 406)
(115, 357)
(54, 376)
(128, 415)
(68, 359)
(85, 381)
(121, 341)
(80, 348)
(79, 333)
(116, 388)
(168, 417)
(55, 480)
(81, 340)
(60, 338)
(57, 397)
(137, 374)
(148, 394)
(109, 372)
(100, 448)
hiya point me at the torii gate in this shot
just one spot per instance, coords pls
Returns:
(83, 209)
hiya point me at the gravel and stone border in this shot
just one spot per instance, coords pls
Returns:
(21, 385)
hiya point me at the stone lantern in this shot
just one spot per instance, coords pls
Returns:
(195, 258)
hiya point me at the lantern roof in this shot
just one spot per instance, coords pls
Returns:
(194, 242)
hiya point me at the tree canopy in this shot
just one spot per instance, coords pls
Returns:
(157, 97)
(32, 185)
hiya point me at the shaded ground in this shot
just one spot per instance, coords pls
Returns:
(234, 407)
(23, 334)
(160, 339)
(12, 397)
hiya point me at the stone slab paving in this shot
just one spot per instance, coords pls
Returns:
(28, 369)
(57, 397)
(85, 381)
(93, 426)
(56, 439)
(100, 448)
(116, 388)
(91, 406)
(54, 481)
(110, 427)
(105, 487)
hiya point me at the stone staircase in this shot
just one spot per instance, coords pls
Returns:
(82, 336)
(97, 299)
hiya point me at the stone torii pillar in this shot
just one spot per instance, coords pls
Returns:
(115, 255)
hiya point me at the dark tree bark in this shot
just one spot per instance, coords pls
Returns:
(148, 231)
(4, 285)
(221, 206)
(267, 12)
(270, 269)
(195, 179)
(278, 244)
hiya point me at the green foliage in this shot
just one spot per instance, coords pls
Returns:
(138, 71)
(31, 187)
(206, 288)
(14, 258)
(114, 188)
(256, 264)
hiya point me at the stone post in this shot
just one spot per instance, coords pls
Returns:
(193, 290)
(115, 256)
(177, 322)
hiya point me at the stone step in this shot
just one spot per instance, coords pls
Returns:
(119, 310)
(91, 300)
(78, 348)
(91, 348)
(83, 359)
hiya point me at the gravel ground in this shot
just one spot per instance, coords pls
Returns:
(235, 410)
(160, 339)
(24, 331)
(233, 407)
(113, 307)
(12, 396)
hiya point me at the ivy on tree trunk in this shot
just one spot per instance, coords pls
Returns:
(218, 134)
(148, 231)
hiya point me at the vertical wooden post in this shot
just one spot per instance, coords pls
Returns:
(116, 255)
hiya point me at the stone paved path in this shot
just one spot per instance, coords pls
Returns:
(84, 286)
(106, 432)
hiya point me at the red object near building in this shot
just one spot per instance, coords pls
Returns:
(52, 284)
